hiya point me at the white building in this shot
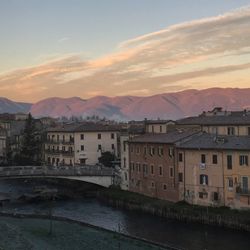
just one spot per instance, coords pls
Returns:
(80, 144)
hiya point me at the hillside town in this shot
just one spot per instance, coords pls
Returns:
(202, 160)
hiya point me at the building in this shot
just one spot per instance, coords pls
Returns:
(80, 144)
(215, 170)
(126, 134)
(93, 139)
(3, 146)
(159, 126)
(152, 169)
(124, 138)
(219, 122)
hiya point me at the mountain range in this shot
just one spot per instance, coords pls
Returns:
(165, 106)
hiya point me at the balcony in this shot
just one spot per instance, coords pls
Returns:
(242, 191)
(64, 142)
(59, 152)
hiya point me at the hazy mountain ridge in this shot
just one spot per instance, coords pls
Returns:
(8, 106)
(168, 105)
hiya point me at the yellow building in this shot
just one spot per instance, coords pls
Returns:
(219, 122)
(159, 126)
(216, 170)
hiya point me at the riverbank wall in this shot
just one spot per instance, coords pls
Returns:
(181, 211)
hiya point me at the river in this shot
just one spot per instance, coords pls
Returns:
(89, 210)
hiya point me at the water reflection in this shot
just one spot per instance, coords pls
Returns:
(188, 236)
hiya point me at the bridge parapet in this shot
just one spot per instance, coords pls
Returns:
(56, 171)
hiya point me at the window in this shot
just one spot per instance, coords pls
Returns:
(171, 152)
(99, 147)
(203, 158)
(160, 151)
(215, 160)
(82, 147)
(138, 167)
(244, 184)
(132, 166)
(113, 146)
(145, 169)
(180, 175)
(138, 150)
(82, 161)
(99, 136)
(215, 196)
(124, 146)
(180, 157)
(112, 136)
(63, 148)
(243, 160)
(160, 171)
(58, 137)
(171, 172)
(145, 150)
(164, 187)
(82, 136)
(229, 162)
(202, 195)
(248, 130)
(153, 130)
(230, 130)
(230, 183)
(203, 179)
(152, 150)
(152, 169)
(152, 184)
(124, 162)
(160, 128)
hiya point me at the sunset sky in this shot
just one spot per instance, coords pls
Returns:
(86, 48)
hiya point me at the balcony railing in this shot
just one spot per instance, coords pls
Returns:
(65, 142)
(58, 152)
(242, 191)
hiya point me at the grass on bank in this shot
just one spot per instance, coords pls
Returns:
(127, 197)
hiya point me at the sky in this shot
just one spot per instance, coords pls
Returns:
(86, 48)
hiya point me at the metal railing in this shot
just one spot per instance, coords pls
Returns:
(66, 142)
(58, 152)
(240, 190)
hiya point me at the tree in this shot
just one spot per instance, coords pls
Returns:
(30, 144)
(107, 159)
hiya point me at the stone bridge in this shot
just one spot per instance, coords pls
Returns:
(92, 174)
